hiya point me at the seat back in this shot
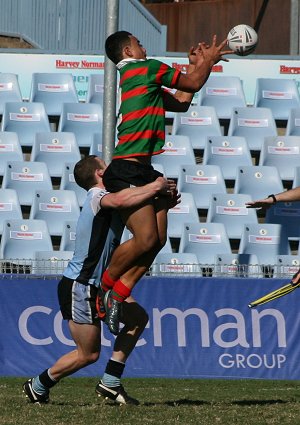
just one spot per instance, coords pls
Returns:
(68, 237)
(55, 148)
(278, 94)
(206, 240)
(26, 177)
(293, 122)
(96, 146)
(230, 209)
(82, 119)
(282, 152)
(10, 149)
(9, 89)
(197, 123)
(287, 266)
(185, 212)
(258, 181)
(21, 238)
(55, 207)
(237, 265)
(223, 93)
(26, 119)
(202, 181)
(9, 206)
(95, 91)
(254, 124)
(264, 240)
(68, 183)
(53, 89)
(175, 264)
(177, 150)
(227, 152)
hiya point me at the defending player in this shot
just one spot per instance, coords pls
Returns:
(98, 233)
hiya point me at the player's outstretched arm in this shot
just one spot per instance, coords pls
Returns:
(135, 196)
(291, 195)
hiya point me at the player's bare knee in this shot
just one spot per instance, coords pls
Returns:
(89, 358)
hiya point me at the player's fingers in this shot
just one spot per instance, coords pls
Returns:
(296, 277)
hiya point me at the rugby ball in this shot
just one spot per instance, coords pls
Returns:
(242, 39)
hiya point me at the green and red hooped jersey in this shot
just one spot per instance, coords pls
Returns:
(141, 120)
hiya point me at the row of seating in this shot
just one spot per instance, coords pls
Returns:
(51, 89)
(22, 238)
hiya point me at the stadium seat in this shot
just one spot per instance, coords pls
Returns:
(230, 209)
(96, 146)
(293, 122)
(264, 240)
(288, 215)
(296, 180)
(26, 177)
(282, 152)
(55, 149)
(178, 151)
(82, 119)
(68, 183)
(185, 212)
(9, 89)
(197, 123)
(227, 152)
(175, 264)
(26, 119)
(277, 94)
(55, 207)
(95, 91)
(10, 149)
(202, 181)
(51, 262)
(9, 206)
(237, 265)
(206, 240)
(254, 124)
(287, 266)
(53, 89)
(223, 93)
(68, 237)
(21, 238)
(258, 181)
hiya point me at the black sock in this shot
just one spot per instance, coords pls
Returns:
(46, 380)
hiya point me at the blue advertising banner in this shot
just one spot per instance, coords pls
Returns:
(198, 328)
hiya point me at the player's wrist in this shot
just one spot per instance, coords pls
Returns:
(273, 197)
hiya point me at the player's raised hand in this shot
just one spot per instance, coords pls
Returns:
(215, 52)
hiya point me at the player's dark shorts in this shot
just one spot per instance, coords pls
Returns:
(122, 173)
(77, 301)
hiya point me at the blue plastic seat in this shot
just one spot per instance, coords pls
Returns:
(287, 266)
(202, 181)
(185, 212)
(26, 177)
(26, 119)
(21, 238)
(53, 89)
(68, 183)
(206, 240)
(54, 149)
(95, 91)
(9, 89)
(228, 152)
(277, 94)
(96, 146)
(175, 264)
(10, 149)
(254, 124)
(230, 209)
(9, 206)
(264, 240)
(178, 151)
(51, 262)
(293, 122)
(223, 93)
(237, 265)
(82, 119)
(258, 181)
(197, 123)
(55, 207)
(68, 237)
(282, 152)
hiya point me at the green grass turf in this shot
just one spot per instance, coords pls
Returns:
(163, 401)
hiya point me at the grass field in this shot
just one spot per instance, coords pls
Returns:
(163, 401)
